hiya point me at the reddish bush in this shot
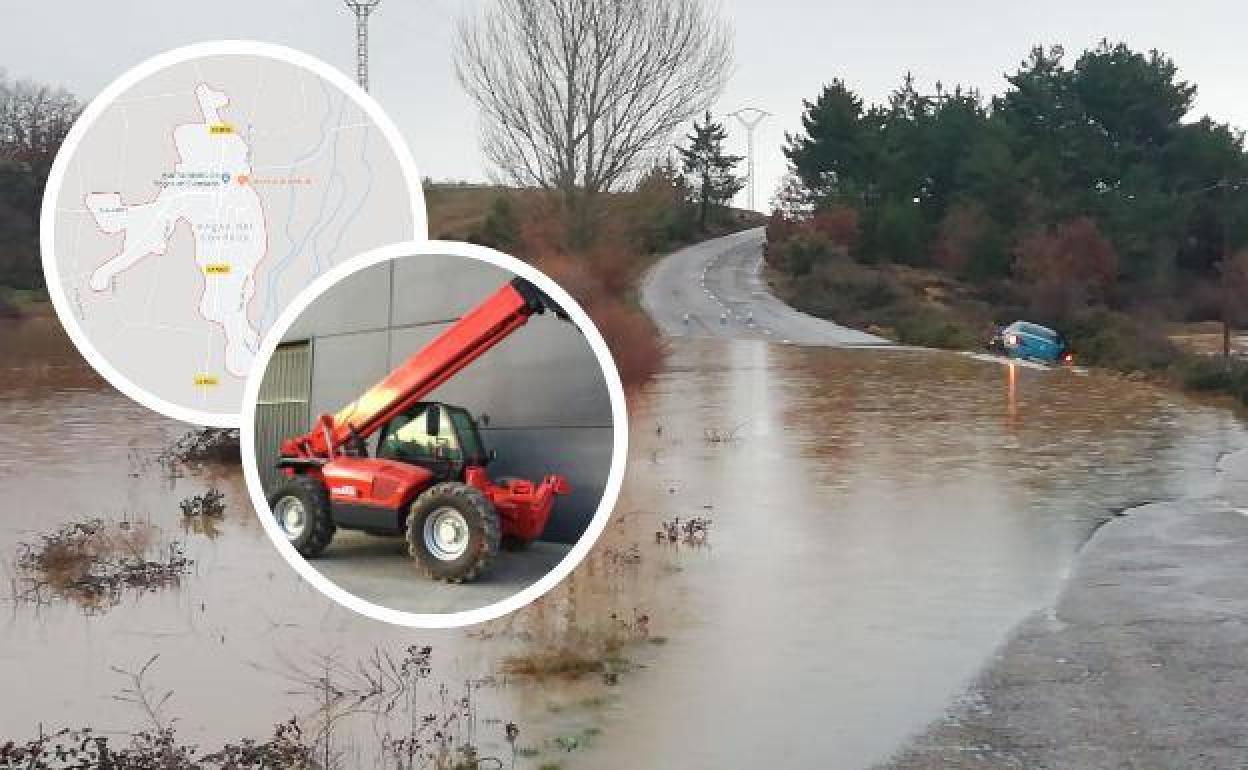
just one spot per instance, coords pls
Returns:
(961, 231)
(600, 277)
(779, 229)
(839, 224)
(1068, 266)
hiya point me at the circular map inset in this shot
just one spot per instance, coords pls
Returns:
(196, 196)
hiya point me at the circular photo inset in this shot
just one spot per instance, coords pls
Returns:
(434, 434)
(196, 196)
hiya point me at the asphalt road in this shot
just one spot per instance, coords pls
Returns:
(713, 289)
(1142, 662)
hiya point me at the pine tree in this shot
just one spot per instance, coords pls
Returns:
(709, 169)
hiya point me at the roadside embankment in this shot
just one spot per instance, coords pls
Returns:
(1143, 661)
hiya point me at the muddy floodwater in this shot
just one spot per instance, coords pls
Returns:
(239, 637)
(880, 521)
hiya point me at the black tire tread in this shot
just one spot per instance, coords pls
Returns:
(321, 521)
(468, 496)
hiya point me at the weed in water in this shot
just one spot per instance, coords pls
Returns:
(721, 436)
(91, 563)
(210, 504)
(203, 446)
(694, 532)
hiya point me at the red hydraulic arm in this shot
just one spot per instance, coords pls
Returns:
(469, 338)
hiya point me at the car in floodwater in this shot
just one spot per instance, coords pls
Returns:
(1023, 339)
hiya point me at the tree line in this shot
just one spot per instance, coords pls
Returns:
(34, 119)
(1084, 180)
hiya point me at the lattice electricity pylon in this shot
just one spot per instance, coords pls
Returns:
(361, 9)
(750, 117)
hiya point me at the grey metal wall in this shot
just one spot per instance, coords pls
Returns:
(282, 409)
(542, 388)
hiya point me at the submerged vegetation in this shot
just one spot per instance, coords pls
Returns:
(420, 725)
(203, 446)
(93, 562)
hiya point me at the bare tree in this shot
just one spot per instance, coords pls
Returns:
(34, 119)
(579, 96)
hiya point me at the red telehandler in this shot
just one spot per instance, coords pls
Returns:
(426, 474)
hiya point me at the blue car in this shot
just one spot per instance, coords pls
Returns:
(1033, 342)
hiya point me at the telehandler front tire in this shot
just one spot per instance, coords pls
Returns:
(301, 507)
(453, 532)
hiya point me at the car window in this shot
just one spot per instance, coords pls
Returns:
(1038, 331)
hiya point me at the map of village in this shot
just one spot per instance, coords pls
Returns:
(201, 201)
(209, 189)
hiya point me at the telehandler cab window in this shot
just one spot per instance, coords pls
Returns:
(407, 440)
(469, 437)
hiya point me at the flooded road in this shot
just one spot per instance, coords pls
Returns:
(881, 519)
(240, 638)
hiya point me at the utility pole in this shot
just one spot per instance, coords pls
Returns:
(361, 9)
(750, 117)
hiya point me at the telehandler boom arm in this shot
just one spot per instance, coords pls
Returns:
(469, 338)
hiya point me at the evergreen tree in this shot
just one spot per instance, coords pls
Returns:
(833, 156)
(939, 176)
(709, 168)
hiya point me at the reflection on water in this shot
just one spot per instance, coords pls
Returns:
(880, 523)
(229, 633)
(816, 548)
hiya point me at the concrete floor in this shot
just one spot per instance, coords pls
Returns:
(379, 570)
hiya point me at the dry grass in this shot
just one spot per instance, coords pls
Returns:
(91, 562)
(457, 212)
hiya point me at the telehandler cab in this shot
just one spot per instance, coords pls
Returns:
(426, 474)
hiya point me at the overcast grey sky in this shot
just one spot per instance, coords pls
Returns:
(785, 51)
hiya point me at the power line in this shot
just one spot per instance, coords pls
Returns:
(361, 9)
(750, 117)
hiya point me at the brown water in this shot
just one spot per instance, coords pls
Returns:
(881, 519)
(239, 635)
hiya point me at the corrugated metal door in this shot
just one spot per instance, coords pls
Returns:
(282, 410)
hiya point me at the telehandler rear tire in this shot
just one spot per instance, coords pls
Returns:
(301, 507)
(453, 532)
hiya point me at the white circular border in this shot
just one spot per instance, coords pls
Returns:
(615, 476)
(132, 77)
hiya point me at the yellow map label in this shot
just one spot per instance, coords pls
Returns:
(221, 128)
(217, 268)
(206, 380)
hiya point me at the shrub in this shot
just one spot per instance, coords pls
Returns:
(839, 224)
(931, 328)
(1067, 267)
(799, 255)
(1113, 340)
(500, 229)
(899, 233)
(1212, 374)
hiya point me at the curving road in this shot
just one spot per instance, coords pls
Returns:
(713, 289)
(883, 522)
